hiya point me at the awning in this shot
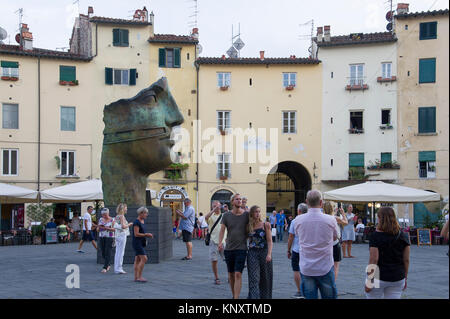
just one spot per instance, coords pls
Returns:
(10, 194)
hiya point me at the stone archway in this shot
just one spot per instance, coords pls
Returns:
(223, 196)
(287, 185)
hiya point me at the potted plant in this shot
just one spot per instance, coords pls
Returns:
(290, 87)
(223, 132)
(14, 78)
(224, 176)
(39, 214)
(74, 82)
(36, 234)
(6, 78)
(224, 88)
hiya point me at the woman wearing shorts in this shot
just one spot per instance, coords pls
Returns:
(139, 243)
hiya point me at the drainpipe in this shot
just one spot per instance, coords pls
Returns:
(197, 67)
(39, 124)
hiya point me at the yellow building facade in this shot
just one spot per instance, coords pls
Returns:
(279, 99)
(423, 109)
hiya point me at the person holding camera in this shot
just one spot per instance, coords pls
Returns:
(187, 226)
(212, 238)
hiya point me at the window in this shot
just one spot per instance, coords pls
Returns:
(386, 158)
(289, 79)
(67, 118)
(67, 73)
(120, 76)
(356, 120)
(386, 70)
(356, 159)
(223, 120)
(120, 37)
(427, 70)
(427, 164)
(356, 74)
(10, 68)
(290, 122)
(427, 119)
(223, 165)
(67, 163)
(10, 160)
(224, 79)
(169, 58)
(428, 30)
(385, 117)
(10, 116)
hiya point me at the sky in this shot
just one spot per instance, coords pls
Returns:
(279, 27)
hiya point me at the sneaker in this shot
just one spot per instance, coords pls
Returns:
(298, 295)
(80, 251)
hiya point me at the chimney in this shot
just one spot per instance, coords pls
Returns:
(194, 33)
(90, 11)
(26, 38)
(402, 8)
(223, 57)
(326, 33)
(152, 18)
(261, 55)
(319, 34)
(145, 14)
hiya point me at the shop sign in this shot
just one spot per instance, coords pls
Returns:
(172, 187)
(51, 235)
(173, 196)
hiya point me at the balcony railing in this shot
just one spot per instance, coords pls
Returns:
(381, 79)
(356, 84)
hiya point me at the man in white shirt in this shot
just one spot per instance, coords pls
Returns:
(316, 232)
(187, 226)
(87, 232)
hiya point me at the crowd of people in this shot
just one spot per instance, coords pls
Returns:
(319, 236)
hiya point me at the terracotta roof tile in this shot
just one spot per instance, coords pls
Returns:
(421, 14)
(171, 38)
(43, 53)
(207, 60)
(117, 21)
(358, 38)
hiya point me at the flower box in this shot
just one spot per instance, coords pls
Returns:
(223, 178)
(71, 83)
(6, 78)
(224, 88)
(290, 87)
(223, 132)
(356, 87)
(380, 79)
(355, 131)
(386, 127)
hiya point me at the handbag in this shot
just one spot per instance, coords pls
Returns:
(208, 236)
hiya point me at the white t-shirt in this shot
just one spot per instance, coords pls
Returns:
(338, 229)
(87, 217)
(360, 226)
(202, 222)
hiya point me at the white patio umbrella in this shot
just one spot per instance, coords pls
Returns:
(10, 194)
(380, 192)
(88, 191)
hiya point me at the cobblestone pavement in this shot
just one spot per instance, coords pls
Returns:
(40, 272)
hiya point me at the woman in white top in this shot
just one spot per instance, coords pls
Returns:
(122, 231)
(203, 225)
(348, 233)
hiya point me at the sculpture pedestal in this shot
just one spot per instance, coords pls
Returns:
(159, 223)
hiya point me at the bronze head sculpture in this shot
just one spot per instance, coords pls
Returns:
(136, 142)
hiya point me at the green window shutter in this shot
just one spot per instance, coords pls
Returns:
(386, 158)
(162, 58)
(428, 30)
(124, 38)
(132, 76)
(8, 64)
(428, 156)
(109, 76)
(427, 70)
(177, 58)
(356, 159)
(67, 73)
(116, 37)
(427, 119)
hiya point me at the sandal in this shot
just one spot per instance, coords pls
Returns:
(186, 258)
(140, 280)
(217, 281)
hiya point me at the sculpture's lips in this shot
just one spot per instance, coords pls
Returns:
(135, 135)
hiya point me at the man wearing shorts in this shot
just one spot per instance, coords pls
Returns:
(214, 218)
(235, 223)
(187, 226)
(87, 232)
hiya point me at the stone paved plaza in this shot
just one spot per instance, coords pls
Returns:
(39, 272)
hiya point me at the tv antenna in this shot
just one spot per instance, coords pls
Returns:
(236, 45)
(308, 36)
(390, 17)
(194, 23)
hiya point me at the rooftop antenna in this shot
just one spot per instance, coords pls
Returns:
(194, 23)
(390, 17)
(236, 45)
(3, 35)
(308, 36)
(78, 5)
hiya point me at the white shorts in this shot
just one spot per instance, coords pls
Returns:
(214, 251)
(387, 290)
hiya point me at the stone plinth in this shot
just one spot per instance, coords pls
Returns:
(159, 223)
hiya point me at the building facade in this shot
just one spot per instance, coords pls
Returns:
(423, 100)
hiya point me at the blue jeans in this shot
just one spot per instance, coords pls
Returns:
(280, 231)
(311, 284)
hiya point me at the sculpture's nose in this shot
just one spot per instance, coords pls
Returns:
(173, 114)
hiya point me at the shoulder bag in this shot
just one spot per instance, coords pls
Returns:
(208, 236)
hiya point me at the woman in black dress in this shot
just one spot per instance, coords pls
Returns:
(139, 242)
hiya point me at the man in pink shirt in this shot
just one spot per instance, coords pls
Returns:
(316, 232)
